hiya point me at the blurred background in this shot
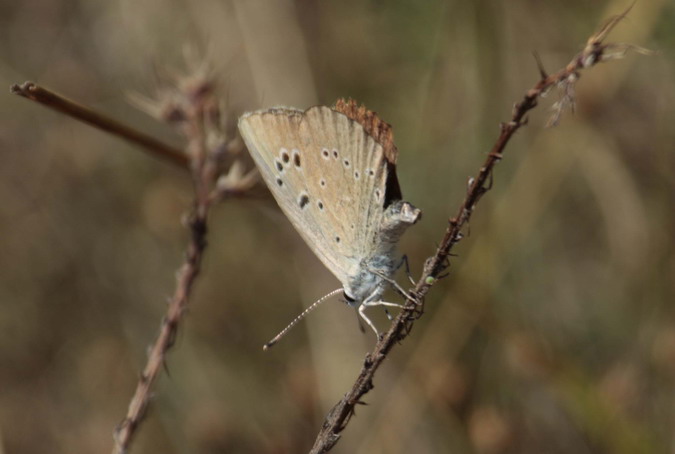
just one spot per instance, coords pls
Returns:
(555, 331)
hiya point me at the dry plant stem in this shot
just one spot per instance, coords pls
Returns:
(339, 416)
(204, 169)
(186, 278)
(204, 175)
(61, 104)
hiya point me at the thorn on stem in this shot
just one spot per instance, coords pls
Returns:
(540, 66)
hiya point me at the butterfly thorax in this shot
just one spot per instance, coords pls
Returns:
(368, 283)
(373, 273)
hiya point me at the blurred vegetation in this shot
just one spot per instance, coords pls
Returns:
(555, 331)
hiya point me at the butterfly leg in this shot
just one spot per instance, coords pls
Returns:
(366, 304)
(404, 260)
(396, 286)
(363, 315)
(382, 303)
(358, 319)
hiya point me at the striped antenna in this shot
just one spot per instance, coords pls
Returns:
(298, 318)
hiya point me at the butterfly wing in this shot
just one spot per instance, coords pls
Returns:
(328, 176)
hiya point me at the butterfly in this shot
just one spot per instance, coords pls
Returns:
(333, 173)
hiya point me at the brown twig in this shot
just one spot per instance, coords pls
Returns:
(195, 111)
(186, 278)
(594, 52)
(204, 178)
(61, 104)
(199, 120)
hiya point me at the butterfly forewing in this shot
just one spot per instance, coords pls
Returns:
(328, 177)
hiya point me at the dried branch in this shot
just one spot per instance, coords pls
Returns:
(34, 92)
(218, 171)
(177, 305)
(594, 52)
(193, 108)
(194, 122)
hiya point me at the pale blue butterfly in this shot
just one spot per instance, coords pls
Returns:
(333, 173)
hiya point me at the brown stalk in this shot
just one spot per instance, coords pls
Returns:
(339, 416)
(34, 92)
(204, 176)
(177, 305)
(197, 116)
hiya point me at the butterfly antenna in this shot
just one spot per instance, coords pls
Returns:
(298, 318)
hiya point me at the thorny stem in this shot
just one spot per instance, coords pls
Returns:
(204, 165)
(177, 305)
(204, 172)
(339, 416)
(34, 92)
